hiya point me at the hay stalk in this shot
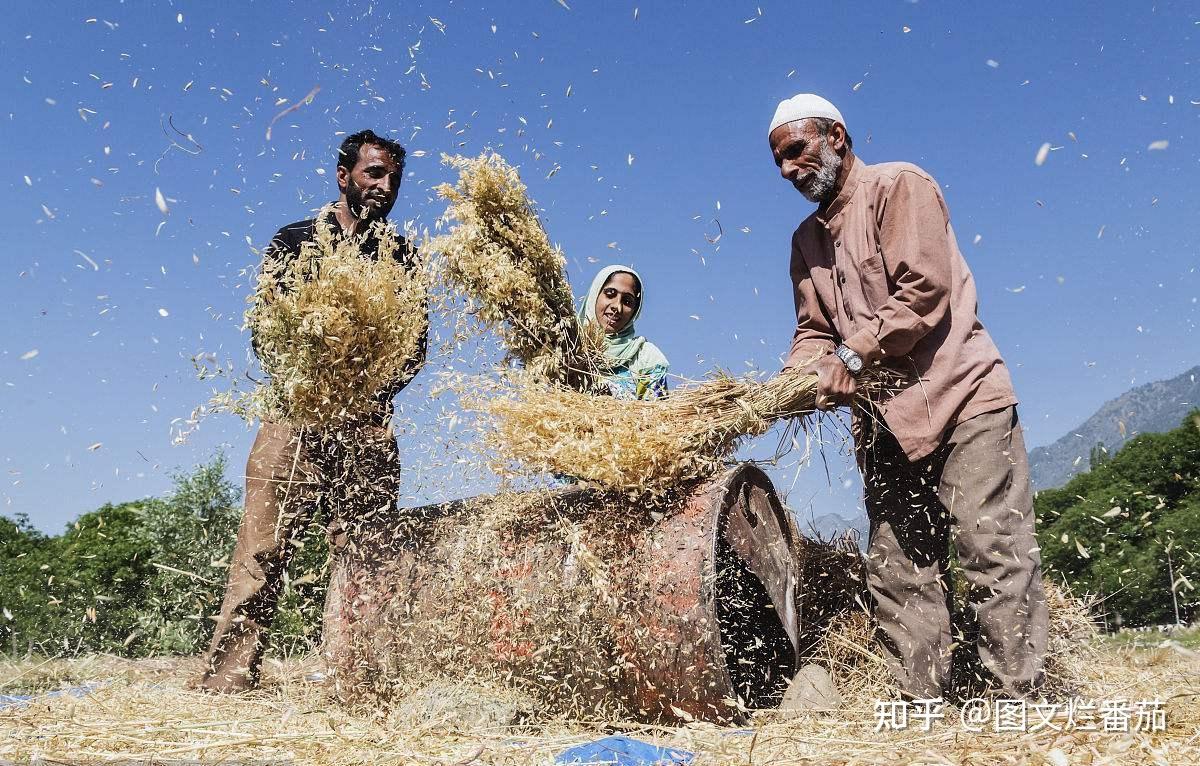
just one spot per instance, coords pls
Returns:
(498, 255)
(336, 331)
(639, 447)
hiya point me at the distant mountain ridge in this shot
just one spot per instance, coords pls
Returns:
(1150, 408)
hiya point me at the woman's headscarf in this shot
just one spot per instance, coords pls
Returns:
(622, 348)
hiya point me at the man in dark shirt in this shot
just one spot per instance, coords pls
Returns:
(291, 471)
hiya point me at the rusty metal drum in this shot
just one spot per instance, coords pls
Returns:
(595, 604)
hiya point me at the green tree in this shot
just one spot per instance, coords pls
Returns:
(145, 577)
(1129, 529)
(23, 613)
(95, 580)
(190, 535)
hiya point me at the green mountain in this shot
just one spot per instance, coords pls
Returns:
(1152, 408)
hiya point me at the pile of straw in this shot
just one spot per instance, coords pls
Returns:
(335, 330)
(135, 715)
(850, 649)
(640, 447)
(498, 255)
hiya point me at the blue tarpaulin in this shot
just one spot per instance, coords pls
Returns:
(16, 700)
(623, 751)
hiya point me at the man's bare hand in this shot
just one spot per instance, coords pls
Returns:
(835, 384)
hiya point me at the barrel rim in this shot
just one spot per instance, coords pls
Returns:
(736, 476)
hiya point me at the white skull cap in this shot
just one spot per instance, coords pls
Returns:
(802, 106)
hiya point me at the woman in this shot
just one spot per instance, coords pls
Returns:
(637, 369)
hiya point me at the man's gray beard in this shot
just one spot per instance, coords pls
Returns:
(822, 188)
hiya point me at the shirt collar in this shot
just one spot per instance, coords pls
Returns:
(332, 219)
(853, 177)
(368, 244)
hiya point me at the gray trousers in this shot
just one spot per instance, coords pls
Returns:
(976, 487)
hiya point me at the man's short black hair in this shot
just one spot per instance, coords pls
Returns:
(348, 153)
(823, 125)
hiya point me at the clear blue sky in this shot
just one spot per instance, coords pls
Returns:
(655, 116)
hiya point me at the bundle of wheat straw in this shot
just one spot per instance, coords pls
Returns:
(335, 330)
(643, 447)
(498, 255)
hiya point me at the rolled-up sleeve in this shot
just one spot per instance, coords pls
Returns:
(914, 240)
(814, 335)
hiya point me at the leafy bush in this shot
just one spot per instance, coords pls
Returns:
(1129, 529)
(144, 577)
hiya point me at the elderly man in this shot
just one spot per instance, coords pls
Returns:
(292, 472)
(879, 281)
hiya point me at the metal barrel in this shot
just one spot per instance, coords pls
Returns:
(596, 604)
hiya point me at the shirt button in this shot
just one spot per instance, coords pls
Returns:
(838, 243)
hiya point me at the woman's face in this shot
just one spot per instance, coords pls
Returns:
(618, 300)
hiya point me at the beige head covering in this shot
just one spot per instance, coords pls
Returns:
(801, 107)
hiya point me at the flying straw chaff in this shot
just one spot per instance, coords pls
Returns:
(498, 255)
(640, 447)
(850, 648)
(337, 331)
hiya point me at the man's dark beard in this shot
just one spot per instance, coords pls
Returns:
(355, 199)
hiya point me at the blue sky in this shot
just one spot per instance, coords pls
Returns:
(653, 119)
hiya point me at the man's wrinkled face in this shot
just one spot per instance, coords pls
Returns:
(617, 302)
(808, 160)
(372, 184)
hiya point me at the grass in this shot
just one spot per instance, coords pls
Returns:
(1187, 637)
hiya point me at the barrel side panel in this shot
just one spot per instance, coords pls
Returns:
(592, 605)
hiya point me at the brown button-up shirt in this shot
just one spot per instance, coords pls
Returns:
(879, 270)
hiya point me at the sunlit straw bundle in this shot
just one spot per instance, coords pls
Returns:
(335, 330)
(498, 255)
(642, 447)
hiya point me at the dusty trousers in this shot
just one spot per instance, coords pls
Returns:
(975, 486)
(292, 473)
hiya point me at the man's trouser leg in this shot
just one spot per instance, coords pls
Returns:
(281, 496)
(979, 477)
(907, 553)
(985, 486)
(361, 468)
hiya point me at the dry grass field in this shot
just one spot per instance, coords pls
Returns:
(141, 710)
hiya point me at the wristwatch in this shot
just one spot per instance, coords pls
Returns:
(853, 361)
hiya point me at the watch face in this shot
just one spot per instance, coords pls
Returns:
(854, 363)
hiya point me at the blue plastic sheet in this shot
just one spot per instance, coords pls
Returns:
(623, 751)
(18, 700)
